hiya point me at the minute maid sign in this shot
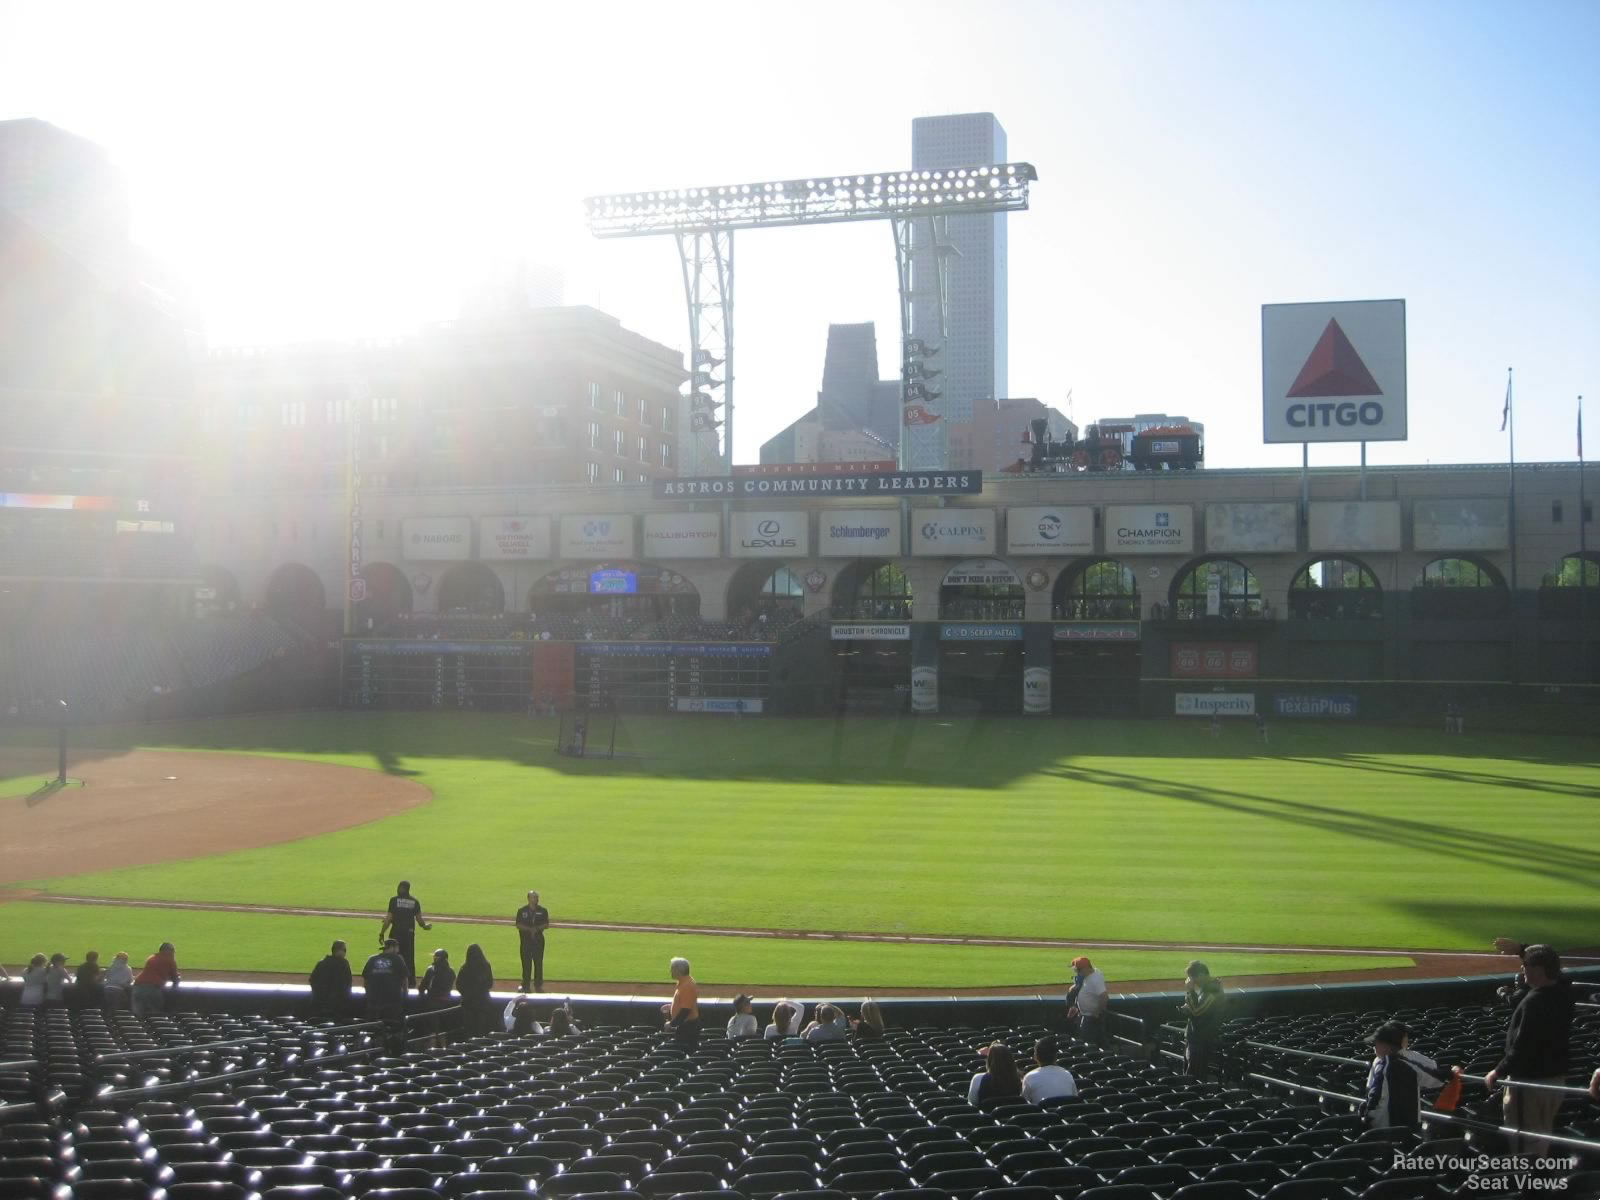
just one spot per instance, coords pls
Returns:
(1149, 529)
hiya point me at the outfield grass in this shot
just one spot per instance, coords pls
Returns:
(1335, 835)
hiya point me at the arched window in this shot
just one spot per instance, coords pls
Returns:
(1459, 589)
(1105, 590)
(295, 594)
(1335, 589)
(872, 592)
(981, 589)
(471, 588)
(1238, 595)
(758, 588)
(1571, 592)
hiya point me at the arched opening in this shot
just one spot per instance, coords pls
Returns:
(981, 589)
(295, 594)
(766, 596)
(217, 594)
(388, 596)
(1218, 589)
(872, 591)
(1571, 591)
(471, 589)
(1335, 589)
(611, 600)
(1460, 589)
(1096, 590)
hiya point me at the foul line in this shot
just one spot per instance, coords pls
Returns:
(801, 935)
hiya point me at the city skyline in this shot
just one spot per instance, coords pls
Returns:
(1195, 162)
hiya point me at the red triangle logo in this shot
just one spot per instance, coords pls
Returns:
(1334, 369)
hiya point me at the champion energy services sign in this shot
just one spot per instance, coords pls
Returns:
(859, 533)
(1334, 372)
(1149, 529)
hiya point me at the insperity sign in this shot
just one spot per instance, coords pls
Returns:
(884, 483)
(1334, 372)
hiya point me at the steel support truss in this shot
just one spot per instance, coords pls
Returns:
(706, 256)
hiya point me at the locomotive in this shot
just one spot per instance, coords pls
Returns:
(1115, 447)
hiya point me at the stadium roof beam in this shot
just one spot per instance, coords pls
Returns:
(703, 221)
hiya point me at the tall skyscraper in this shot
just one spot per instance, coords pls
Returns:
(973, 358)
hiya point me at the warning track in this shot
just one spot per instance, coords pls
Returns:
(1486, 958)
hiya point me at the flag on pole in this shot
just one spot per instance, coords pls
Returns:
(1580, 428)
(916, 414)
(1505, 413)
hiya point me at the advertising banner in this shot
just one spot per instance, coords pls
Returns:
(436, 539)
(936, 531)
(1149, 529)
(871, 633)
(1036, 691)
(1054, 530)
(982, 572)
(601, 535)
(1354, 525)
(513, 539)
(771, 535)
(1460, 525)
(859, 533)
(983, 631)
(1250, 528)
(1214, 660)
(1334, 372)
(709, 704)
(822, 483)
(1221, 704)
(924, 689)
(1315, 705)
(1098, 631)
(682, 535)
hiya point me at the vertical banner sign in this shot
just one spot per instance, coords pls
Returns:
(1036, 691)
(1214, 594)
(355, 584)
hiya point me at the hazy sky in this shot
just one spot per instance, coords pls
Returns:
(337, 170)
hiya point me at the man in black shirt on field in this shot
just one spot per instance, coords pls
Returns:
(1537, 1049)
(404, 915)
(532, 920)
(330, 984)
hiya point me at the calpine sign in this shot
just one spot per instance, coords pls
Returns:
(818, 483)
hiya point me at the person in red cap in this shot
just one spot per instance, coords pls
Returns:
(1086, 1002)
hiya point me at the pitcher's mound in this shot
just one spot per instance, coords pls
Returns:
(149, 806)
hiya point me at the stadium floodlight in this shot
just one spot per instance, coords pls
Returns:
(703, 221)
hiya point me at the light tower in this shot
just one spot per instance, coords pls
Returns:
(703, 221)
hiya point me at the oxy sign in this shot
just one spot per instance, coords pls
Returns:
(1056, 530)
(1334, 372)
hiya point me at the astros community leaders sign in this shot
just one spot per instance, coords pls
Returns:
(888, 483)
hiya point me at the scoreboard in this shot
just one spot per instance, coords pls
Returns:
(674, 676)
(411, 674)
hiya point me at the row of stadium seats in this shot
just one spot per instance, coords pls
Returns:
(620, 1113)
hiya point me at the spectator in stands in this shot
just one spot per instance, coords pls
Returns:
(33, 977)
(91, 981)
(683, 1011)
(1086, 1001)
(1202, 1008)
(149, 988)
(475, 981)
(1395, 1080)
(330, 984)
(520, 1019)
(439, 980)
(56, 979)
(562, 1024)
(1537, 1047)
(830, 1026)
(870, 1024)
(743, 1023)
(785, 1022)
(384, 978)
(119, 980)
(999, 1079)
(1047, 1080)
(403, 917)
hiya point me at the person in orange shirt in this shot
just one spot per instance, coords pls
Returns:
(160, 969)
(683, 1014)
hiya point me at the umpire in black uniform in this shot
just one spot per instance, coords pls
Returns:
(403, 917)
(532, 920)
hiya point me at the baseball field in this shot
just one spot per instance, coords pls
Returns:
(859, 854)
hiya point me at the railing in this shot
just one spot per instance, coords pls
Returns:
(1532, 1085)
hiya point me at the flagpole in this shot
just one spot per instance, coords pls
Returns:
(1583, 562)
(1511, 426)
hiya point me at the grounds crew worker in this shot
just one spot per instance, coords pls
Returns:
(532, 920)
(404, 915)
